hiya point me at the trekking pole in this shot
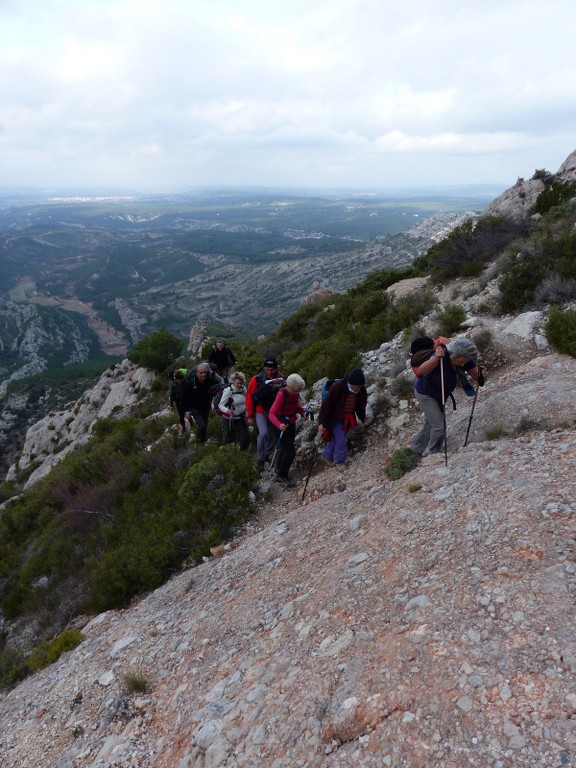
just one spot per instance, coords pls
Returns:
(478, 385)
(444, 410)
(274, 454)
(312, 465)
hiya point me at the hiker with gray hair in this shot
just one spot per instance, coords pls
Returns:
(283, 414)
(438, 372)
(232, 409)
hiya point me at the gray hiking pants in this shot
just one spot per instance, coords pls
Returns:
(431, 434)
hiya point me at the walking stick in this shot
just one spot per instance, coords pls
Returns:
(274, 454)
(480, 384)
(444, 411)
(312, 463)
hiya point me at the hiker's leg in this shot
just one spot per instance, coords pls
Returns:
(273, 436)
(328, 452)
(227, 431)
(201, 419)
(340, 443)
(243, 434)
(434, 423)
(181, 413)
(262, 442)
(286, 451)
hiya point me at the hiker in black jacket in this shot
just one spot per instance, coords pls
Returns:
(179, 397)
(201, 388)
(222, 357)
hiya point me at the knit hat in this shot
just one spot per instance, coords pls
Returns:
(356, 377)
(271, 362)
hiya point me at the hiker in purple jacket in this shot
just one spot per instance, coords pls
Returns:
(341, 411)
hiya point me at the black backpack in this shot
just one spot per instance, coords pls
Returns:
(265, 394)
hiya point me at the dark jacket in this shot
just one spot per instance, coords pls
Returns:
(199, 394)
(222, 358)
(332, 408)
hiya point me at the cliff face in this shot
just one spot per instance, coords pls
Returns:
(51, 438)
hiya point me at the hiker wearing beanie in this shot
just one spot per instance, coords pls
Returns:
(260, 393)
(343, 408)
(223, 358)
(456, 357)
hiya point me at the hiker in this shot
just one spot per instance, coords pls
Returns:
(199, 395)
(282, 414)
(232, 408)
(178, 397)
(223, 358)
(455, 357)
(260, 393)
(343, 409)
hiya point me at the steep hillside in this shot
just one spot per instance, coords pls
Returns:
(424, 622)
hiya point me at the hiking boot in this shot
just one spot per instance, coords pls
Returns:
(287, 482)
(261, 465)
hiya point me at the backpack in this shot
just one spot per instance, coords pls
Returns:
(265, 394)
(326, 388)
(218, 389)
(421, 350)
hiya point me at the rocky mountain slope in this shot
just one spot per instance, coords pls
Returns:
(424, 622)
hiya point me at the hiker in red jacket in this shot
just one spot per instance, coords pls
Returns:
(260, 394)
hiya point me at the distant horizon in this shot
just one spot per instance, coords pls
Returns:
(115, 191)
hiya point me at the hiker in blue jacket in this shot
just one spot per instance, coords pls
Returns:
(438, 376)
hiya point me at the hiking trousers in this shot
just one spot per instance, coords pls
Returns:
(267, 436)
(236, 431)
(336, 449)
(286, 451)
(431, 434)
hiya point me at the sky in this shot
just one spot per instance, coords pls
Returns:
(347, 94)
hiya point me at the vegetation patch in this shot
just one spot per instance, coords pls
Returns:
(401, 461)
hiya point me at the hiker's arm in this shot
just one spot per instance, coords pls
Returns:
(478, 374)
(433, 362)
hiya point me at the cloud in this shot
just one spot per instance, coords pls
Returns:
(348, 92)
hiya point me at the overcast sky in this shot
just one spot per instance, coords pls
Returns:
(161, 94)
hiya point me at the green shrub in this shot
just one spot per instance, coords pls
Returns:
(469, 247)
(561, 330)
(156, 351)
(215, 496)
(401, 462)
(50, 651)
(450, 319)
(520, 281)
(555, 194)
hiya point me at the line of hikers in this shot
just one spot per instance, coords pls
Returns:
(271, 402)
